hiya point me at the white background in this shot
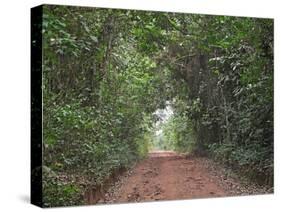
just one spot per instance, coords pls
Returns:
(15, 102)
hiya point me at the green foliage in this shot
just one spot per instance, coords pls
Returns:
(58, 191)
(178, 134)
(105, 72)
(98, 99)
(226, 91)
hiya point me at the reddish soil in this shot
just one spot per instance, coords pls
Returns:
(166, 176)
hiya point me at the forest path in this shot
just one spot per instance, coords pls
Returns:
(166, 175)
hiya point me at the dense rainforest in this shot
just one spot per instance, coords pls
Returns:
(106, 72)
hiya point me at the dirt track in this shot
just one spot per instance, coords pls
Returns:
(165, 176)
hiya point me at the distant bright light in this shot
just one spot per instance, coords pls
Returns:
(164, 115)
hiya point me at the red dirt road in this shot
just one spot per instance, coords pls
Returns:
(166, 176)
